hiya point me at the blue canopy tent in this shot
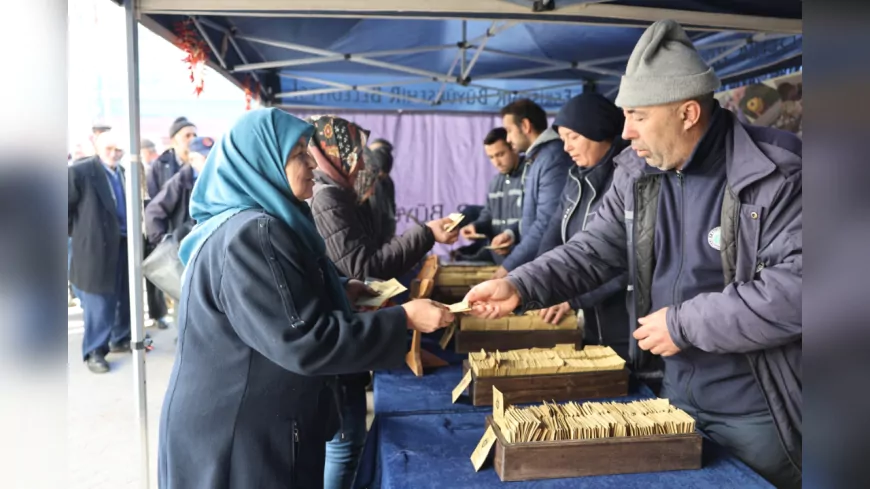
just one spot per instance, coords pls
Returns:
(387, 55)
(445, 55)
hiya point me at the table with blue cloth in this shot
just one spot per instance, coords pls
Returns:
(419, 438)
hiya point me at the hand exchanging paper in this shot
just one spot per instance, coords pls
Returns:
(501, 244)
(355, 290)
(427, 316)
(493, 299)
(439, 230)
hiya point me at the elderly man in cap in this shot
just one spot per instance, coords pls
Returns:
(98, 270)
(705, 216)
(181, 133)
(169, 211)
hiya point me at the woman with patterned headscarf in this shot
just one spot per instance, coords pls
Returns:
(343, 182)
(266, 322)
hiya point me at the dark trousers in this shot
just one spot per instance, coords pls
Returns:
(156, 299)
(107, 316)
(753, 439)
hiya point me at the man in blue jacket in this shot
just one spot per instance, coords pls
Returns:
(545, 168)
(705, 215)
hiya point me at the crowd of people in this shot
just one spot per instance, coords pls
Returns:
(671, 226)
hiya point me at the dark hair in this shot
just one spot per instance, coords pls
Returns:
(384, 143)
(496, 135)
(526, 109)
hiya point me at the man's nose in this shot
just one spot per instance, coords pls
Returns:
(628, 132)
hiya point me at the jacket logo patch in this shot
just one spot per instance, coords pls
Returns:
(714, 238)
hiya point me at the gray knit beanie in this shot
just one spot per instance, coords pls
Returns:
(665, 67)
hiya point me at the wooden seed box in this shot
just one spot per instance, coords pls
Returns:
(608, 456)
(572, 386)
(452, 282)
(469, 341)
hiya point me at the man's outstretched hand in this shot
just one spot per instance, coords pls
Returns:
(493, 299)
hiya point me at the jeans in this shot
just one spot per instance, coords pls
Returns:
(107, 316)
(342, 456)
(753, 439)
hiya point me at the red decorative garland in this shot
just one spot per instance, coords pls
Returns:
(252, 91)
(189, 41)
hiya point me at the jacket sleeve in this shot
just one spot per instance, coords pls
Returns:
(590, 259)
(600, 294)
(159, 209)
(355, 252)
(483, 224)
(151, 179)
(551, 181)
(267, 292)
(762, 313)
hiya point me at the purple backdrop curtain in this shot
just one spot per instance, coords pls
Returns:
(440, 162)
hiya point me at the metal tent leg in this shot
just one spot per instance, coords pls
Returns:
(135, 241)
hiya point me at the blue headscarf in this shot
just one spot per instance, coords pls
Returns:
(246, 171)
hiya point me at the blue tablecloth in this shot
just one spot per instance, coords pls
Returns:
(433, 450)
(400, 392)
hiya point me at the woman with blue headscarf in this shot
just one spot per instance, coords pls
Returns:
(265, 322)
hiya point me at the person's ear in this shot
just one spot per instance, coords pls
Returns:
(526, 126)
(689, 113)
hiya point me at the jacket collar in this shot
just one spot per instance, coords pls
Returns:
(599, 174)
(548, 135)
(745, 162)
(101, 182)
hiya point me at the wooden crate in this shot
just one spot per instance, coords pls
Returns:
(469, 341)
(579, 458)
(466, 275)
(529, 321)
(453, 281)
(550, 387)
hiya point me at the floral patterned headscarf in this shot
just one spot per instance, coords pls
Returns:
(338, 146)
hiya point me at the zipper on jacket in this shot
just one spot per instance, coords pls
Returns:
(294, 449)
(588, 206)
(682, 236)
(689, 395)
(598, 322)
(759, 268)
(569, 212)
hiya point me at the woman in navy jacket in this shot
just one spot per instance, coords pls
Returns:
(265, 322)
(590, 126)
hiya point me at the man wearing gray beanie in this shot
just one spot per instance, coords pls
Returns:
(705, 216)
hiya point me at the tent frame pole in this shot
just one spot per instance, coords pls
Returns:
(211, 45)
(135, 241)
(437, 99)
(336, 57)
(347, 57)
(464, 47)
(466, 70)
